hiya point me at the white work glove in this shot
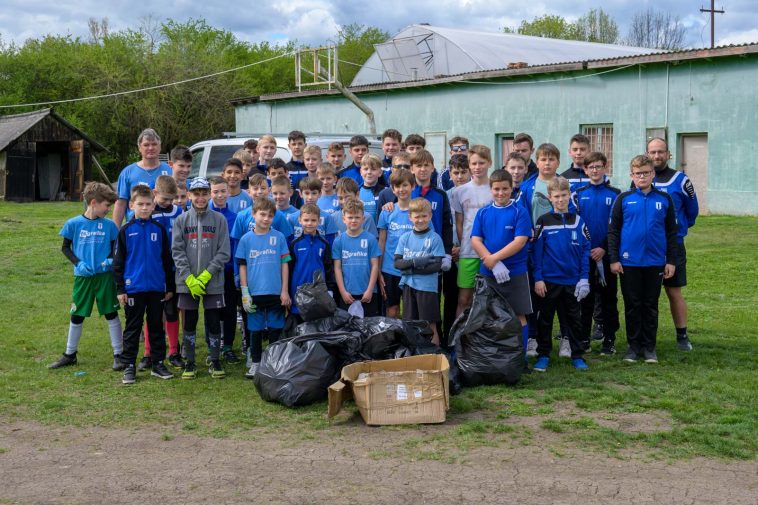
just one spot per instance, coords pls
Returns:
(582, 289)
(501, 273)
(601, 273)
(447, 263)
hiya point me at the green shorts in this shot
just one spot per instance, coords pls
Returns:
(87, 290)
(467, 270)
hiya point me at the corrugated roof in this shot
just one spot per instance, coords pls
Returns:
(637, 59)
(15, 125)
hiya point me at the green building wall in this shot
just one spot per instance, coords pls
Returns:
(714, 97)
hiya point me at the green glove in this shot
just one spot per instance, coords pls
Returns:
(197, 289)
(204, 277)
(247, 300)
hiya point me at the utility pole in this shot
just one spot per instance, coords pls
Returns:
(713, 11)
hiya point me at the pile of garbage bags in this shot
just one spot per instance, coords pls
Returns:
(298, 370)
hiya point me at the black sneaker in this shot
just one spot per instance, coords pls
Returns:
(176, 361)
(130, 375)
(651, 357)
(190, 371)
(159, 370)
(597, 332)
(64, 360)
(631, 356)
(215, 370)
(118, 365)
(231, 357)
(683, 343)
(607, 350)
(144, 364)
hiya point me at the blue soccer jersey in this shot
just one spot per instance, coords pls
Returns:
(396, 223)
(134, 174)
(355, 253)
(91, 240)
(335, 226)
(264, 255)
(166, 217)
(245, 222)
(239, 202)
(297, 229)
(420, 245)
(329, 204)
(368, 198)
(497, 227)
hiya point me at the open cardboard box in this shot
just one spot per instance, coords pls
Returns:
(395, 391)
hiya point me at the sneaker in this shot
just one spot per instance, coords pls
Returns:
(159, 370)
(190, 371)
(630, 356)
(607, 350)
(231, 357)
(579, 364)
(597, 332)
(587, 346)
(248, 360)
(176, 361)
(565, 349)
(683, 344)
(541, 364)
(216, 371)
(130, 375)
(651, 357)
(64, 360)
(144, 364)
(208, 359)
(252, 370)
(531, 348)
(118, 365)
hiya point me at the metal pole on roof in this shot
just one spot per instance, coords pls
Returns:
(713, 12)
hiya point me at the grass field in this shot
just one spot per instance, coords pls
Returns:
(707, 400)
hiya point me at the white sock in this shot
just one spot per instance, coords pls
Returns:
(74, 334)
(117, 336)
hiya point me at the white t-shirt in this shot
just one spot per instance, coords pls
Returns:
(467, 200)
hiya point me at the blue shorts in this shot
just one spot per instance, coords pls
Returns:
(262, 319)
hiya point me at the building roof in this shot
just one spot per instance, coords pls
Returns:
(15, 125)
(424, 52)
(600, 65)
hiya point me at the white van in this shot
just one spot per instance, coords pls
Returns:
(208, 156)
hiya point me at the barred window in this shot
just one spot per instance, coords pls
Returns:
(601, 140)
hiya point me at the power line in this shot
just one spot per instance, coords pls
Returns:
(149, 88)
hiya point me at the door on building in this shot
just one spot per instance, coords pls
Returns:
(694, 163)
(505, 145)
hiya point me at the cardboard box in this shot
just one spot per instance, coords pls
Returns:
(395, 391)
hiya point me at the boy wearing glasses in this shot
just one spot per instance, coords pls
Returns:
(458, 145)
(594, 203)
(641, 248)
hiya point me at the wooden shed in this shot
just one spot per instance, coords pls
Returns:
(43, 157)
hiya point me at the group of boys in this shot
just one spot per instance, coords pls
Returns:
(382, 231)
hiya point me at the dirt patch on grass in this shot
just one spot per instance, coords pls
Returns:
(344, 465)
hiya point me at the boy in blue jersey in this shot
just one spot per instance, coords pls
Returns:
(373, 184)
(88, 242)
(180, 161)
(642, 249)
(422, 167)
(579, 147)
(418, 257)
(181, 198)
(358, 149)
(200, 248)
(296, 165)
(309, 252)
(393, 224)
(594, 203)
(276, 169)
(165, 212)
(262, 256)
(401, 161)
(335, 156)
(310, 188)
(144, 171)
(391, 143)
(356, 260)
(219, 203)
(682, 192)
(237, 199)
(458, 147)
(347, 189)
(515, 164)
(144, 274)
(328, 201)
(499, 235)
(245, 220)
(561, 272)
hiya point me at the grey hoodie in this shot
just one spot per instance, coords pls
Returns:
(200, 242)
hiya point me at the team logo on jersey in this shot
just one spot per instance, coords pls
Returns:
(335, 203)
(427, 242)
(573, 236)
(154, 237)
(320, 251)
(608, 200)
(364, 243)
(130, 302)
(99, 226)
(434, 205)
(243, 204)
(272, 240)
(689, 188)
(658, 205)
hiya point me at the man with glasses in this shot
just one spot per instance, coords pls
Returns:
(458, 145)
(682, 192)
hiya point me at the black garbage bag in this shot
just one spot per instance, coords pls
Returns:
(313, 299)
(298, 371)
(381, 336)
(487, 339)
(295, 374)
(337, 321)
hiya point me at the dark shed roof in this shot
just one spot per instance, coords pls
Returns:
(15, 125)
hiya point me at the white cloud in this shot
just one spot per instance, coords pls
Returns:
(739, 38)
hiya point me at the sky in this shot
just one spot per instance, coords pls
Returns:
(315, 22)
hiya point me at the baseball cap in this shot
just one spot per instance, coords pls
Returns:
(199, 183)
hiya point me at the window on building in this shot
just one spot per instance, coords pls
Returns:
(505, 143)
(601, 139)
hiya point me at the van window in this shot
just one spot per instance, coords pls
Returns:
(197, 159)
(219, 155)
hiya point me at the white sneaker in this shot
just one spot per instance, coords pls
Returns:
(249, 360)
(252, 371)
(531, 348)
(565, 350)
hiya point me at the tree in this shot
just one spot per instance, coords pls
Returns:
(550, 26)
(656, 29)
(598, 26)
(356, 45)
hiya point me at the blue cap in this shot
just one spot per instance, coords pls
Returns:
(199, 183)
